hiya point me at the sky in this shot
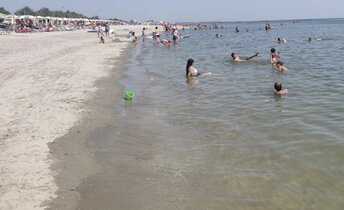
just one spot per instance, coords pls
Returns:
(191, 10)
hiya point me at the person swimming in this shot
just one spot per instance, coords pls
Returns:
(281, 40)
(280, 66)
(278, 90)
(166, 42)
(236, 58)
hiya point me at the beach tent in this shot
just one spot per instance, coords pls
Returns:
(65, 21)
(27, 16)
(11, 18)
(39, 19)
(47, 19)
(59, 21)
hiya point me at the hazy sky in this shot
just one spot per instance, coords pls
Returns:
(191, 10)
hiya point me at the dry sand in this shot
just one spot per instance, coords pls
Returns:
(45, 80)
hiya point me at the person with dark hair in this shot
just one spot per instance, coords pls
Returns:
(175, 35)
(236, 58)
(143, 34)
(191, 71)
(157, 38)
(134, 37)
(274, 56)
(155, 32)
(281, 67)
(278, 90)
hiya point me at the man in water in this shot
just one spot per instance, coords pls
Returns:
(278, 90)
(236, 58)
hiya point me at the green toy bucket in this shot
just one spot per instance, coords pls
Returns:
(128, 95)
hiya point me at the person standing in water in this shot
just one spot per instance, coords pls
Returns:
(191, 71)
(175, 35)
(274, 56)
(143, 34)
(278, 90)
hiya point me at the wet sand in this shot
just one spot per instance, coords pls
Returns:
(46, 81)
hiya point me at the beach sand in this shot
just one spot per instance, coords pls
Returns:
(46, 83)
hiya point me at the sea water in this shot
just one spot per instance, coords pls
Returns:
(225, 141)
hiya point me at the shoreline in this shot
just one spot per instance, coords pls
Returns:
(46, 83)
(74, 160)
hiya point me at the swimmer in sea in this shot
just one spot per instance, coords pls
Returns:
(281, 40)
(281, 67)
(274, 56)
(192, 71)
(236, 58)
(278, 90)
(166, 42)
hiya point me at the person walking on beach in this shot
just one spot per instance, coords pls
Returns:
(100, 32)
(107, 30)
(236, 58)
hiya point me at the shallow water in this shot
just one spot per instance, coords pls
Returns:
(225, 141)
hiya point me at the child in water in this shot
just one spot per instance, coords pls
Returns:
(278, 90)
(281, 67)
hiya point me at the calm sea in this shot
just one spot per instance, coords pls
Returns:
(225, 141)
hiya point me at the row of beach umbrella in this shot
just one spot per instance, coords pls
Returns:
(11, 18)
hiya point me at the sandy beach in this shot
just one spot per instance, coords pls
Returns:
(46, 80)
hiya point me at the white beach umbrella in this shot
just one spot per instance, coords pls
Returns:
(11, 18)
(30, 17)
(39, 17)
